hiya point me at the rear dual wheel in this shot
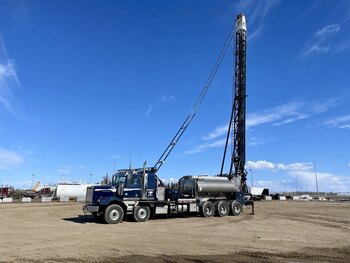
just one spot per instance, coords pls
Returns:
(222, 208)
(235, 207)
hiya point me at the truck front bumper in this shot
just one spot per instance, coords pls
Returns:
(90, 208)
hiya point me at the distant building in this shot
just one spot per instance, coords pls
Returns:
(259, 192)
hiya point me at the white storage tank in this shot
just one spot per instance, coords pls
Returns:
(282, 198)
(7, 200)
(71, 190)
(26, 200)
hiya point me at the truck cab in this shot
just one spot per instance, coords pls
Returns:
(130, 190)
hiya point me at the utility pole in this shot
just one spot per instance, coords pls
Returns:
(318, 197)
(296, 183)
(33, 175)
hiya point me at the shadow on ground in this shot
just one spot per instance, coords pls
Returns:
(82, 219)
(306, 255)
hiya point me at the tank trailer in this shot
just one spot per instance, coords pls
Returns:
(141, 194)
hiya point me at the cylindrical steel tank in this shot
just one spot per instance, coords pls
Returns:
(71, 190)
(206, 185)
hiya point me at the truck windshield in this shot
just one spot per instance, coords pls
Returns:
(119, 178)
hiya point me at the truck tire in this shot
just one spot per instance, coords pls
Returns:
(236, 208)
(208, 209)
(222, 208)
(142, 213)
(113, 214)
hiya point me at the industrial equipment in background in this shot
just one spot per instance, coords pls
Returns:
(71, 191)
(140, 193)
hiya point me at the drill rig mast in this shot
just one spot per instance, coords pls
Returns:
(237, 124)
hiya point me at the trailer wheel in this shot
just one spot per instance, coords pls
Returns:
(113, 214)
(142, 213)
(236, 208)
(222, 208)
(208, 209)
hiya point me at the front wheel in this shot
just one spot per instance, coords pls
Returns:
(113, 214)
(142, 213)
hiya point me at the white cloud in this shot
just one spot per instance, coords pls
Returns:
(256, 11)
(290, 112)
(9, 158)
(205, 146)
(320, 41)
(168, 98)
(265, 165)
(256, 33)
(149, 110)
(8, 78)
(342, 46)
(216, 133)
(301, 175)
(274, 114)
(280, 115)
(342, 122)
(327, 31)
(326, 181)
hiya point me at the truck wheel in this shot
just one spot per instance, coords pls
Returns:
(208, 209)
(113, 214)
(142, 213)
(222, 208)
(236, 208)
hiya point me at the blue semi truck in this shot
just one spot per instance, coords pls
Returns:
(141, 194)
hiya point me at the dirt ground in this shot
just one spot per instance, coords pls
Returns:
(280, 231)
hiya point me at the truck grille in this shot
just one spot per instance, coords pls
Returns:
(89, 195)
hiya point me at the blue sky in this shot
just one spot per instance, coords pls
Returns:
(86, 86)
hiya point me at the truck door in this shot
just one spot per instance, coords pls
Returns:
(151, 186)
(133, 186)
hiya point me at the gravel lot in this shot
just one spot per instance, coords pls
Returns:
(281, 231)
